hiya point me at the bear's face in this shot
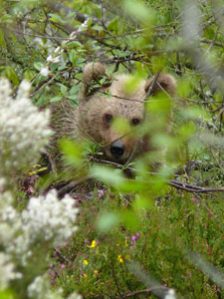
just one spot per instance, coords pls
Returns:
(97, 115)
(98, 111)
(120, 147)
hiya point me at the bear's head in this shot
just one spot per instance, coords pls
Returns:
(104, 99)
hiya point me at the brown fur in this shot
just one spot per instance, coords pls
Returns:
(99, 101)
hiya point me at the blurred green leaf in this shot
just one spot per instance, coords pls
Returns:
(7, 294)
(107, 221)
(139, 10)
(108, 175)
(113, 24)
(10, 73)
(72, 151)
(73, 56)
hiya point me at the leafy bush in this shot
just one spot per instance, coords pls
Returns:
(27, 236)
(140, 237)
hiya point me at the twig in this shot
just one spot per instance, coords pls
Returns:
(43, 84)
(173, 183)
(152, 86)
(77, 15)
(70, 186)
(140, 292)
(194, 189)
(102, 161)
(58, 252)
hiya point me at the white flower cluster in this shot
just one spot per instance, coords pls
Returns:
(7, 271)
(24, 131)
(48, 218)
(45, 220)
(40, 289)
(10, 222)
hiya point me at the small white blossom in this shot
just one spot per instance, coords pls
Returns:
(52, 59)
(24, 130)
(7, 271)
(74, 296)
(44, 71)
(58, 50)
(38, 41)
(170, 294)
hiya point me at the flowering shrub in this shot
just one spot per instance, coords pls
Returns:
(39, 289)
(7, 271)
(49, 219)
(46, 219)
(45, 223)
(28, 236)
(24, 130)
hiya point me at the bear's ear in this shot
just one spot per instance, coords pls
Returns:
(161, 83)
(94, 78)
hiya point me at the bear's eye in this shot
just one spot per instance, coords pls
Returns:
(135, 121)
(108, 117)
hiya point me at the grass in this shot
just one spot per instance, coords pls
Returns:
(97, 265)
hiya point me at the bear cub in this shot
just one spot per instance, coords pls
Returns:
(100, 103)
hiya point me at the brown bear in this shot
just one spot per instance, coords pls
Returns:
(101, 100)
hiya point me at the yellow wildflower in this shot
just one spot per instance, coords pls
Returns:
(93, 244)
(120, 259)
(85, 262)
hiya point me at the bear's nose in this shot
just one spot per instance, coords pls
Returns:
(117, 149)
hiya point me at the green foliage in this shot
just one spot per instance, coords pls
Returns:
(7, 295)
(140, 219)
(165, 234)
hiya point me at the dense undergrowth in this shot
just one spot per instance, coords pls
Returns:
(162, 243)
(163, 230)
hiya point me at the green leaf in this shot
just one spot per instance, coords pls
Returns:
(2, 39)
(142, 203)
(29, 75)
(56, 18)
(7, 294)
(114, 24)
(73, 152)
(107, 221)
(130, 220)
(38, 65)
(108, 175)
(63, 89)
(7, 19)
(10, 73)
(73, 44)
(121, 126)
(139, 11)
(73, 56)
